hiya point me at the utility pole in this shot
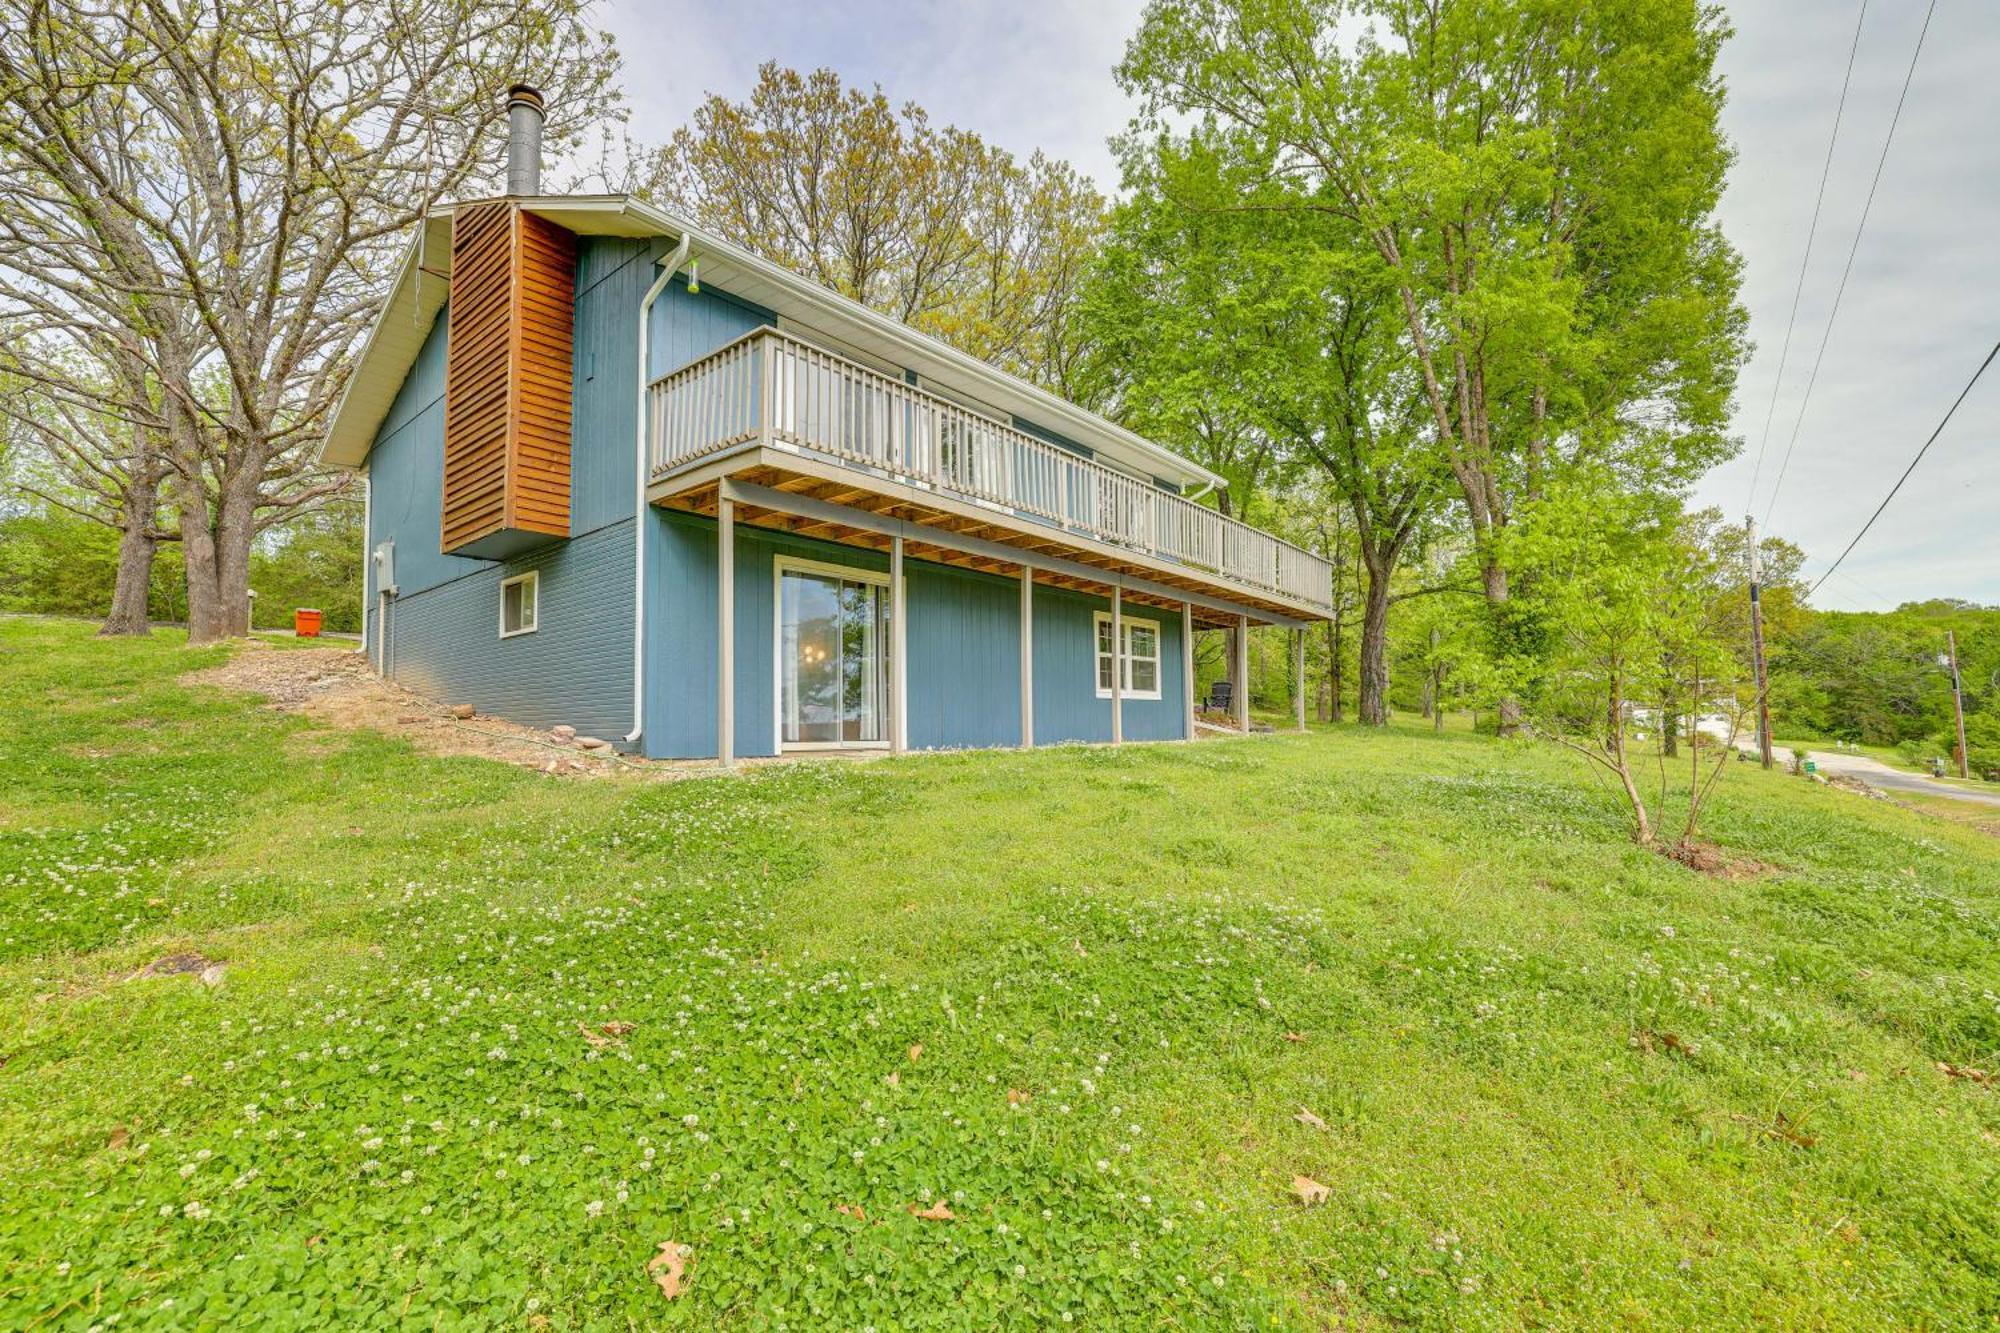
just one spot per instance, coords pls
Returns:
(1757, 646)
(1958, 706)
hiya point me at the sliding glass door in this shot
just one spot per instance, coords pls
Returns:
(833, 656)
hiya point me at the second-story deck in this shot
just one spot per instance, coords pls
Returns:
(812, 442)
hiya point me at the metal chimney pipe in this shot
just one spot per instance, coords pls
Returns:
(524, 140)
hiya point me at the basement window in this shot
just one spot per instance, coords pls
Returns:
(520, 598)
(1141, 658)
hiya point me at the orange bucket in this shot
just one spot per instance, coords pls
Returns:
(305, 623)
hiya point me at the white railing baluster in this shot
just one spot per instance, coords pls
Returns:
(773, 386)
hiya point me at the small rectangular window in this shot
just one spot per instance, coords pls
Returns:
(519, 602)
(1141, 658)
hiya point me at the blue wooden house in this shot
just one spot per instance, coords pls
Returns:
(625, 475)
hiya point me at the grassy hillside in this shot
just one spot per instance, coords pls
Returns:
(1080, 997)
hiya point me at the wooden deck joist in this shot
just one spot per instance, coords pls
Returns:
(797, 495)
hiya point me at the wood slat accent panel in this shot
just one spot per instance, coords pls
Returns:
(507, 377)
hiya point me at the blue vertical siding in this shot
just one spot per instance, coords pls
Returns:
(576, 668)
(406, 478)
(963, 640)
(613, 274)
(1066, 702)
(686, 326)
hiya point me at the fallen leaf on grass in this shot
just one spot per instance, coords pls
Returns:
(1783, 1128)
(916, 1052)
(1017, 1097)
(605, 1034)
(1647, 1041)
(1311, 1193)
(1296, 1038)
(119, 1138)
(893, 1079)
(1307, 1118)
(1979, 1076)
(852, 1210)
(668, 1268)
(937, 1212)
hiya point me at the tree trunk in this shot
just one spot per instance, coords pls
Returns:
(1334, 673)
(1434, 686)
(136, 545)
(1374, 701)
(1493, 578)
(1642, 827)
(1670, 728)
(216, 542)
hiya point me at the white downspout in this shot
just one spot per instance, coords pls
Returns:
(367, 555)
(670, 266)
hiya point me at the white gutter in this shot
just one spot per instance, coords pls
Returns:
(670, 266)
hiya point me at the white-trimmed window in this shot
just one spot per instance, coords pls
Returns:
(520, 602)
(1141, 658)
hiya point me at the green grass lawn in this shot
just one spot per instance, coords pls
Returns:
(1553, 1079)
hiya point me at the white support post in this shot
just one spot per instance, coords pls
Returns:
(725, 631)
(1242, 673)
(899, 675)
(1027, 656)
(1117, 665)
(725, 624)
(1187, 670)
(1299, 677)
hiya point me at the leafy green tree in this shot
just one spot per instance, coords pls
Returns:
(1262, 341)
(1536, 180)
(1617, 589)
(313, 561)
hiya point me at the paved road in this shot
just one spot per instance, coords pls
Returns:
(1878, 774)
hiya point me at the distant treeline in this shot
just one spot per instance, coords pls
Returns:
(56, 563)
(1875, 677)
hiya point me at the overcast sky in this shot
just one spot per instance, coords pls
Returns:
(1919, 313)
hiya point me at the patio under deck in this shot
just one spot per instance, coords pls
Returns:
(774, 432)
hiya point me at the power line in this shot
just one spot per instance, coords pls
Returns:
(1908, 470)
(1826, 334)
(1887, 602)
(1805, 260)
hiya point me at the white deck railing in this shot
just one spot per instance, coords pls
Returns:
(812, 400)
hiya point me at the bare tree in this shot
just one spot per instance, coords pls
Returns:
(218, 188)
(935, 226)
(90, 420)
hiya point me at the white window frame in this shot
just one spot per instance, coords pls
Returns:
(1103, 619)
(780, 566)
(533, 578)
